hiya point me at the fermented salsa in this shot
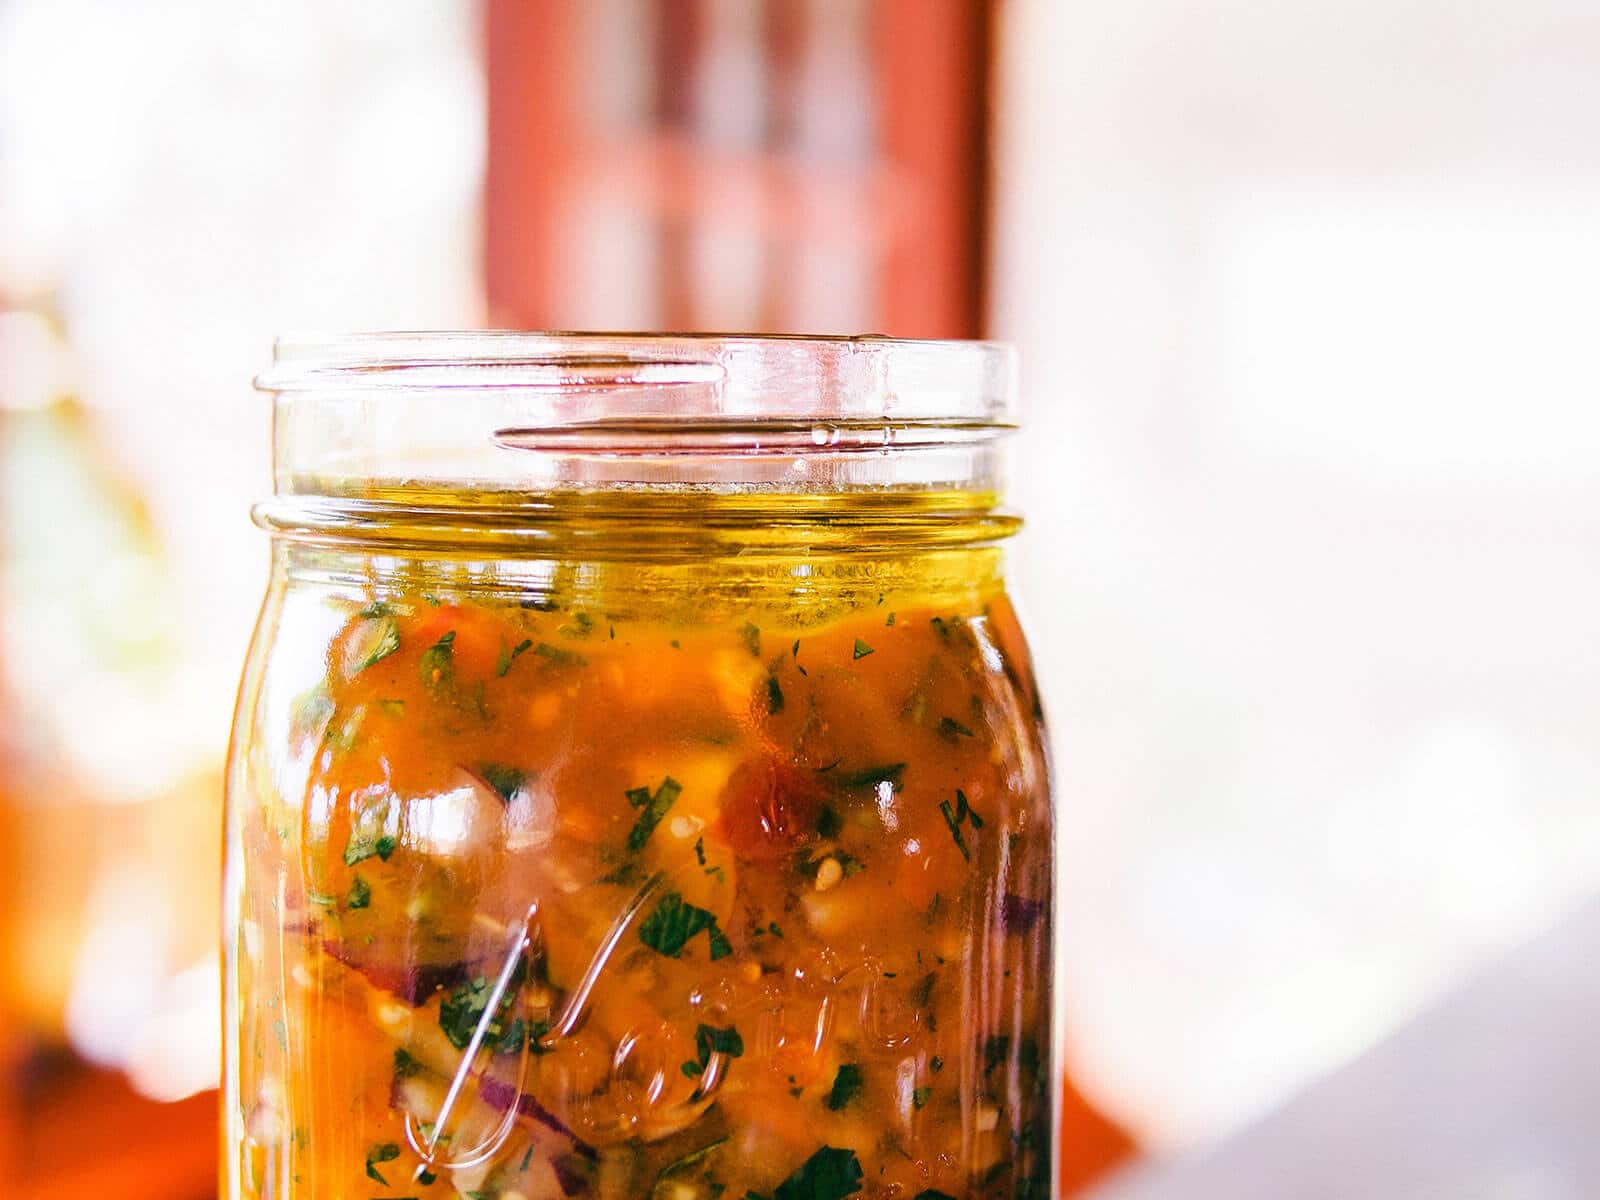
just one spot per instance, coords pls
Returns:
(568, 903)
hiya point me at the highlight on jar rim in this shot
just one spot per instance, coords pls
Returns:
(639, 782)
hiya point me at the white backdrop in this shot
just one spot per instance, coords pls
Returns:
(1306, 294)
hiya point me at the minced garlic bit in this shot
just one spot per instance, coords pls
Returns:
(829, 872)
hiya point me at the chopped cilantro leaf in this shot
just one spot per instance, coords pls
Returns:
(363, 845)
(657, 808)
(923, 992)
(847, 1086)
(360, 893)
(387, 1152)
(829, 1174)
(461, 1012)
(690, 1159)
(709, 1039)
(872, 776)
(889, 620)
(861, 649)
(920, 1096)
(936, 1064)
(950, 729)
(404, 1065)
(752, 639)
(794, 650)
(437, 664)
(562, 658)
(373, 641)
(508, 655)
(700, 850)
(503, 779)
(954, 817)
(774, 695)
(672, 923)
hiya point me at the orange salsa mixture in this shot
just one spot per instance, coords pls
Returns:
(579, 906)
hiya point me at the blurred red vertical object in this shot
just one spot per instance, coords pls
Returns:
(531, 66)
(854, 205)
(939, 135)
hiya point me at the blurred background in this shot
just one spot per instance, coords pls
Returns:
(1305, 294)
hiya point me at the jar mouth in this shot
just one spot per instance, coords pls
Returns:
(669, 379)
(504, 413)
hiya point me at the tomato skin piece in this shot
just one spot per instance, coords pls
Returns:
(769, 808)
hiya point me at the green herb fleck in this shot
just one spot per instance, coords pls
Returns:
(872, 776)
(950, 729)
(752, 639)
(828, 822)
(690, 1159)
(954, 818)
(321, 899)
(461, 1012)
(405, 1066)
(437, 665)
(923, 992)
(889, 620)
(654, 810)
(508, 655)
(562, 658)
(847, 1085)
(936, 1064)
(861, 649)
(373, 641)
(920, 1096)
(672, 923)
(364, 845)
(387, 1152)
(426, 1177)
(829, 1174)
(774, 695)
(503, 779)
(700, 850)
(360, 893)
(709, 1039)
(794, 650)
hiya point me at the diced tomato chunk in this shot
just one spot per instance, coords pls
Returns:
(770, 807)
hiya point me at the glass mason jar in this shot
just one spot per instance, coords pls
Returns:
(638, 785)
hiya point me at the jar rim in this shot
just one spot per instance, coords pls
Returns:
(505, 411)
(815, 375)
